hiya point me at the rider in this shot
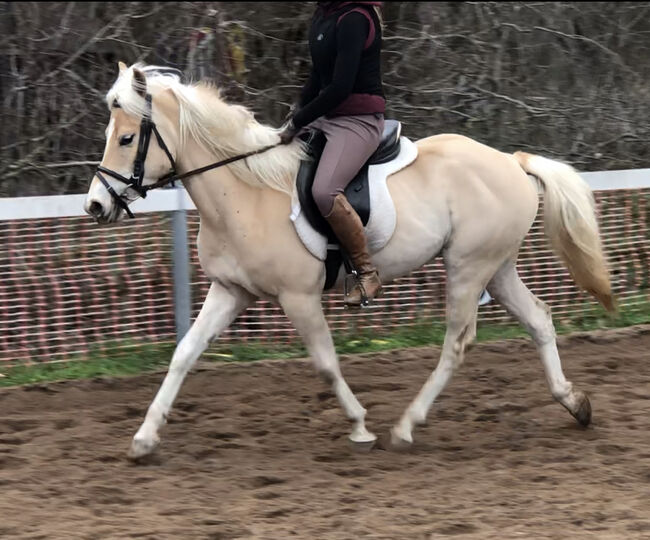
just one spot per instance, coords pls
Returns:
(344, 99)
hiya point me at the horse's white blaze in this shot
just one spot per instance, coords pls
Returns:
(464, 200)
(97, 192)
(109, 132)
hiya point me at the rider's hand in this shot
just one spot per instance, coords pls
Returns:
(292, 111)
(289, 132)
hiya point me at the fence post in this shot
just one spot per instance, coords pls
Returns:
(181, 262)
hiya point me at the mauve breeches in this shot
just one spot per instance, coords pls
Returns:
(351, 140)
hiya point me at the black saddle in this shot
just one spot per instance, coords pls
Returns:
(357, 192)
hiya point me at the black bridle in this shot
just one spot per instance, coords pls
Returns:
(147, 126)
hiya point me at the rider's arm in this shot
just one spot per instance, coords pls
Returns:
(311, 88)
(352, 33)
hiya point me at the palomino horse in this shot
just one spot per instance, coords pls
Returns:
(468, 202)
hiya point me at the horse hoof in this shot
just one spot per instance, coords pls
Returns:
(399, 442)
(141, 448)
(583, 412)
(362, 447)
(362, 440)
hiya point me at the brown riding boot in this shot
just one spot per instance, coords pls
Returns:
(347, 226)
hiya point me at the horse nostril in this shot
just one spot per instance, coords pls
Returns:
(95, 209)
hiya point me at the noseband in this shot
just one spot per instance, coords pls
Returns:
(147, 126)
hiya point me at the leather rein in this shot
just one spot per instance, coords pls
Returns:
(147, 126)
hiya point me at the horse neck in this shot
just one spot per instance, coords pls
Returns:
(217, 194)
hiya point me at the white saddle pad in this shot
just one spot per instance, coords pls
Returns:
(382, 219)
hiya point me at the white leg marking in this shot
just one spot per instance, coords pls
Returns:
(220, 308)
(461, 328)
(535, 316)
(306, 313)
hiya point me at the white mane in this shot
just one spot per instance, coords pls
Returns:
(224, 130)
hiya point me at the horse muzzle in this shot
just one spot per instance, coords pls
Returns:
(101, 213)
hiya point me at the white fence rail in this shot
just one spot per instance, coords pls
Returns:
(69, 287)
(168, 200)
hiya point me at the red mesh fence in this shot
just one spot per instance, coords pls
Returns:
(69, 287)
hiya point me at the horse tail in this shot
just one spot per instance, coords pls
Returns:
(570, 224)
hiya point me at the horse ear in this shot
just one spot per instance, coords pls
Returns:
(139, 82)
(122, 67)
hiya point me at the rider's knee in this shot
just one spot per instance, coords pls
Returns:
(323, 198)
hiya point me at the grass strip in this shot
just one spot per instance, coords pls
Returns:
(123, 359)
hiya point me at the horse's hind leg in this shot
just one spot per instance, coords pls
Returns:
(535, 316)
(306, 313)
(463, 289)
(221, 307)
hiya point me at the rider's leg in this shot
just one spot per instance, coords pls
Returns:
(351, 140)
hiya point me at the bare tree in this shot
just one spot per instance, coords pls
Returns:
(565, 79)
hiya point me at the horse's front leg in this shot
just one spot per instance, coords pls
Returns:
(221, 307)
(306, 313)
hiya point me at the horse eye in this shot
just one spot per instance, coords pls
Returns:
(126, 139)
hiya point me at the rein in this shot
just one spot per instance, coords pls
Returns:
(137, 176)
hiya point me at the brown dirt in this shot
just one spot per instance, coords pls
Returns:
(260, 451)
